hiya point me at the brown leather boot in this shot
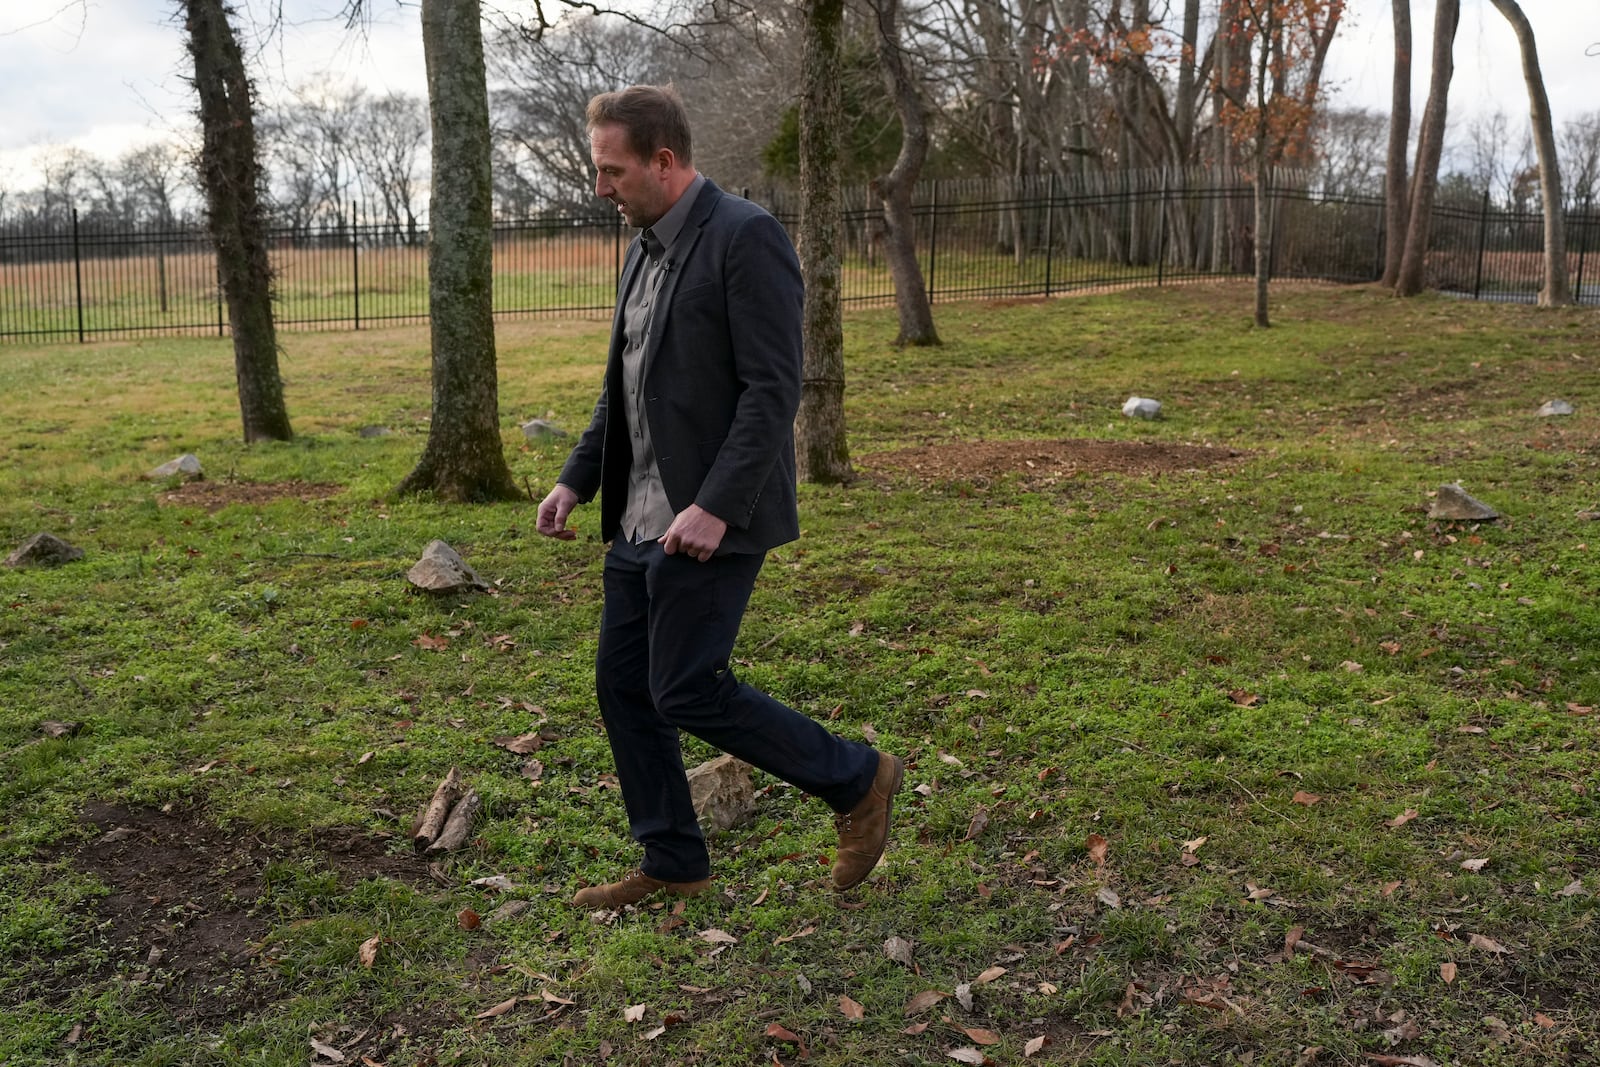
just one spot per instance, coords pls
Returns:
(634, 887)
(864, 830)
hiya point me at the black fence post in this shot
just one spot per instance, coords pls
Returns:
(77, 273)
(1583, 246)
(219, 297)
(1378, 260)
(1161, 232)
(1483, 237)
(933, 248)
(355, 264)
(1049, 231)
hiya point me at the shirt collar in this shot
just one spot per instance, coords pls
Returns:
(665, 230)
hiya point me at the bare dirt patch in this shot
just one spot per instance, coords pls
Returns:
(214, 496)
(1044, 463)
(184, 916)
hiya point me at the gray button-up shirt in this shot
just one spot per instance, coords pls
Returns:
(647, 513)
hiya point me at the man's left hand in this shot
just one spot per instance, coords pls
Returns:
(695, 532)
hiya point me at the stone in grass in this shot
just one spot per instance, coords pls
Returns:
(723, 793)
(44, 550)
(186, 466)
(442, 570)
(1453, 502)
(1141, 407)
(1555, 407)
(540, 430)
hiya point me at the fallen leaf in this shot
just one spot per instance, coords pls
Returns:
(898, 949)
(947, 758)
(432, 643)
(923, 1001)
(1098, 847)
(980, 820)
(1487, 944)
(1244, 698)
(1469, 729)
(914, 1029)
(718, 937)
(967, 1055)
(365, 757)
(327, 1052)
(552, 998)
(1543, 1021)
(368, 952)
(1473, 865)
(1108, 896)
(1302, 797)
(1400, 1061)
(1390, 887)
(651, 1035)
(633, 1013)
(1049, 989)
(1447, 971)
(989, 975)
(1257, 893)
(52, 728)
(977, 694)
(851, 1010)
(494, 881)
(964, 995)
(1035, 1045)
(1403, 818)
(807, 932)
(499, 1009)
(521, 744)
(468, 919)
(783, 1033)
(1571, 889)
(857, 629)
(1194, 846)
(982, 1037)
(1352, 666)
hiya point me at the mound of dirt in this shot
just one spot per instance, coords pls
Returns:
(1042, 463)
(214, 496)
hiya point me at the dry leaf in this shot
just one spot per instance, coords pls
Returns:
(651, 1035)
(964, 995)
(1352, 666)
(898, 949)
(783, 1033)
(1049, 989)
(807, 932)
(1474, 865)
(1571, 889)
(432, 643)
(1447, 971)
(365, 757)
(914, 1029)
(1108, 896)
(923, 1001)
(977, 694)
(982, 1037)
(1390, 887)
(1257, 893)
(980, 820)
(533, 770)
(947, 758)
(1487, 944)
(1543, 1021)
(468, 919)
(1243, 698)
(633, 1013)
(521, 744)
(499, 1009)
(1469, 729)
(851, 1010)
(718, 937)
(1302, 797)
(967, 1055)
(1097, 846)
(327, 1052)
(1418, 1060)
(1194, 846)
(368, 952)
(989, 975)
(1035, 1045)
(1403, 818)
(498, 882)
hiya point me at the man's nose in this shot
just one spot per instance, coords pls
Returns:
(601, 186)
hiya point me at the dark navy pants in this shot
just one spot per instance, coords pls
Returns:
(666, 634)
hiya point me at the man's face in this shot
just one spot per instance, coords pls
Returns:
(637, 186)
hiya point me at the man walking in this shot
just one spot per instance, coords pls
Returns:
(691, 451)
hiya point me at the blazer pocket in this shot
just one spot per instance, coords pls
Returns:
(694, 292)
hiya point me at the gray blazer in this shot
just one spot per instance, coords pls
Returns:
(721, 380)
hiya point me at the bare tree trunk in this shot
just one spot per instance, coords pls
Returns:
(1557, 291)
(1395, 191)
(1430, 146)
(894, 189)
(231, 174)
(822, 452)
(463, 460)
(1271, 34)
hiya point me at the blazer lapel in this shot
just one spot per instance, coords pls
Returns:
(683, 249)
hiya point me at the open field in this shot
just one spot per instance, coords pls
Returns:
(1221, 751)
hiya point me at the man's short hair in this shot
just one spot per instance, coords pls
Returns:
(653, 117)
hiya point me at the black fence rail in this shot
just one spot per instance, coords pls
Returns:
(975, 240)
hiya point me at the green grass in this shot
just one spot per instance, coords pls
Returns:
(1155, 658)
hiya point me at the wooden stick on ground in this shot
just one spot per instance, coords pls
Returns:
(458, 825)
(434, 815)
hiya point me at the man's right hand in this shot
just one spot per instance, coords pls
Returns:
(554, 510)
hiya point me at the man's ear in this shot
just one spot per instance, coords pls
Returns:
(663, 161)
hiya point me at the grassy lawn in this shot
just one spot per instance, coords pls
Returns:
(1220, 750)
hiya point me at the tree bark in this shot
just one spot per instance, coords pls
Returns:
(894, 189)
(1557, 291)
(230, 172)
(1395, 192)
(822, 453)
(1261, 228)
(463, 460)
(1430, 146)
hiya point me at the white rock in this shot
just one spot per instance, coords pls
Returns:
(186, 465)
(1453, 502)
(540, 430)
(1140, 407)
(442, 570)
(44, 550)
(1555, 407)
(723, 793)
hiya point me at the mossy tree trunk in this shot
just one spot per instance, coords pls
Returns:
(822, 453)
(1396, 201)
(230, 173)
(464, 460)
(1412, 275)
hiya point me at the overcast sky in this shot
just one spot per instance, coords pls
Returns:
(106, 75)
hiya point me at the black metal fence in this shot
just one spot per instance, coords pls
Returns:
(1039, 236)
